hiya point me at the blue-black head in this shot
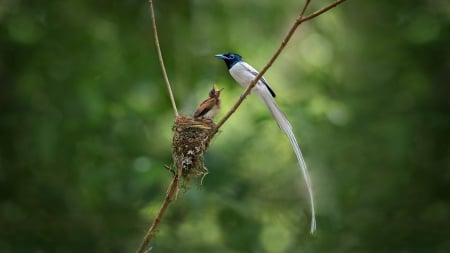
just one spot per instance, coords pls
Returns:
(230, 59)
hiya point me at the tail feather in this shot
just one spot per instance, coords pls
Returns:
(286, 127)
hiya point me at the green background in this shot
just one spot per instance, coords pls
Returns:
(85, 126)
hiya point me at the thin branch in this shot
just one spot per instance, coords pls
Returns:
(161, 61)
(304, 8)
(171, 194)
(300, 19)
(321, 11)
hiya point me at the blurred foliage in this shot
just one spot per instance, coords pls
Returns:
(85, 127)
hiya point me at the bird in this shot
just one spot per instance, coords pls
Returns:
(243, 73)
(210, 107)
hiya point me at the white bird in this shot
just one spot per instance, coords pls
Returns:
(244, 74)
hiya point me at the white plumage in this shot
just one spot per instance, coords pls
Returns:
(243, 73)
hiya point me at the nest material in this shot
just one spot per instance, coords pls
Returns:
(190, 140)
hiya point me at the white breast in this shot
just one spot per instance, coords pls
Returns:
(244, 74)
(241, 74)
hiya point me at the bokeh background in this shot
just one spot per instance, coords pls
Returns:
(85, 126)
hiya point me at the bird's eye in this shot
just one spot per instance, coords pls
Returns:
(231, 57)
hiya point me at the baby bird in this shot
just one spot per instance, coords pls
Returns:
(209, 108)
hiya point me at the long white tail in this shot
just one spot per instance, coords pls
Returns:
(286, 127)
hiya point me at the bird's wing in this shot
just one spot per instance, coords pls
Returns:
(203, 108)
(200, 112)
(255, 73)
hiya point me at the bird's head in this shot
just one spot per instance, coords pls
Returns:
(214, 92)
(230, 58)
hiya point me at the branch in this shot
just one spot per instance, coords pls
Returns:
(171, 194)
(300, 19)
(161, 61)
(174, 185)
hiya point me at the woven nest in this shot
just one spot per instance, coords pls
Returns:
(190, 140)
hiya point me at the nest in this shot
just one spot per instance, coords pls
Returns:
(190, 140)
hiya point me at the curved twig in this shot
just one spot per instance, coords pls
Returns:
(161, 61)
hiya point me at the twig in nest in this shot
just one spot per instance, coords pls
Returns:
(167, 167)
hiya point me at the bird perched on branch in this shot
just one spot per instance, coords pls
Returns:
(210, 107)
(244, 74)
